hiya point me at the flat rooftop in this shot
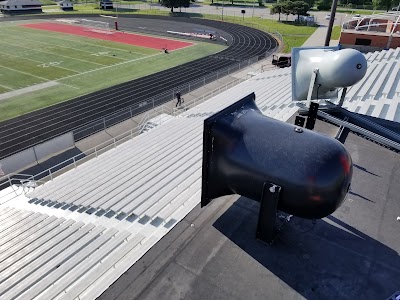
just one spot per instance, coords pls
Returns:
(352, 254)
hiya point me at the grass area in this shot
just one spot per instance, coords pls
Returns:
(48, 2)
(355, 11)
(335, 33)
(79, 65)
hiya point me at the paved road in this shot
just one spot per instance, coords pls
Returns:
(251, 11)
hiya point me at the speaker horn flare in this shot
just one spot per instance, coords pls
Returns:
(243, 150)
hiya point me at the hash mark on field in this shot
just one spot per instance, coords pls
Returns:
(118, 64)
(56, 54)
(71, 86)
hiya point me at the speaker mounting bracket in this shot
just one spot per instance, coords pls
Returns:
(266, 228)
(314, 75)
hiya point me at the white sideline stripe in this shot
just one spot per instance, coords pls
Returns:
(110, 66)
(28, 89)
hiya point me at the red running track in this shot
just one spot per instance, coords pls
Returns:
(118, 37)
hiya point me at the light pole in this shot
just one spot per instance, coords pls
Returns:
(222, 10)
(331, 20)
(254, 2)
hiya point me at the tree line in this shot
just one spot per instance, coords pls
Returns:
(299, 8)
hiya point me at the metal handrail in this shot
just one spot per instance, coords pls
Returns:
(9, 180)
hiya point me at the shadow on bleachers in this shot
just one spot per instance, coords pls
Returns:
(56, 163)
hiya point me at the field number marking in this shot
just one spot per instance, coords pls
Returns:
(50, 64)
(100, 53)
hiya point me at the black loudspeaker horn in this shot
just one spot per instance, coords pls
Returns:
(246, 153)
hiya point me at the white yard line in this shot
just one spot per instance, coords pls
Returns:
(55, 45)
(72, 40)
(106, 67)
(28, 89)
(1, 66)
(6, 87)
(90, 62)
(39, 62)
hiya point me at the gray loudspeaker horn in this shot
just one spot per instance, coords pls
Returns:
(243, 150)
(329, 68)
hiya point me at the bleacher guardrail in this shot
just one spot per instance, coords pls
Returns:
(146, 105)
(73, 162)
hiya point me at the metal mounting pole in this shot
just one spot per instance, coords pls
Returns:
(311, 87)
(331, 20)
(266, 226)
(342, 96)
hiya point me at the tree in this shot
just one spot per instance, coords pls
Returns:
(324, 5)
(175, 3)
(310, 3)
(300, 8)
(288, 8)
(277, 9)
(387, 4)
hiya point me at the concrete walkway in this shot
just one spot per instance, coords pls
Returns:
(318, 38)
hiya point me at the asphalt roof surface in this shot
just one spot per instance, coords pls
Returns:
(352, 254)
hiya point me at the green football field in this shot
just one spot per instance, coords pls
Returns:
(42, 68)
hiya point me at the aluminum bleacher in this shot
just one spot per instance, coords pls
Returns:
(73, 236)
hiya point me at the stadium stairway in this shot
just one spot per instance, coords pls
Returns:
(156, 121)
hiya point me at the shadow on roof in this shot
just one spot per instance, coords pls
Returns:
(328, 260)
